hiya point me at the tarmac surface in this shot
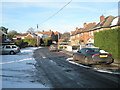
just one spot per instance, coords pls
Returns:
(55, 71)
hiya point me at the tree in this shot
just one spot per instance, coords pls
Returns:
(31, 30)
(11, 34)
(4, 29)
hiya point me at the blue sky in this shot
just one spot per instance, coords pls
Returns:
(21, 15)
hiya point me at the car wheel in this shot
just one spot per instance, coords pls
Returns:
(12, 52)
(110, 62)
(86, 60)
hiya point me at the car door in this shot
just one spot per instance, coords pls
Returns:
(80, 54)
(7, 49)
(77, 55)
(83, 54)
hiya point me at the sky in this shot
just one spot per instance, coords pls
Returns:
(20, 15)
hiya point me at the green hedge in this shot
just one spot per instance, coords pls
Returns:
(31, 42)
(109, 40)
(47, 42)
(20, 43)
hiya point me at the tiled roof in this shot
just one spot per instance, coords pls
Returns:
(56, 33)
(80, 30)
(89, 27)
(48, 32)
(107, 21)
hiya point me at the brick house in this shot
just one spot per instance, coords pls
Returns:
(86, 34)
(82, 34)
(30, 35)
(109, 22)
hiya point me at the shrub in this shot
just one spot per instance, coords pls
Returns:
(47, 42)
(109, 40)
(20, 43)
(31, 42)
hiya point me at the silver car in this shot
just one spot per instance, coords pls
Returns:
(9, 49)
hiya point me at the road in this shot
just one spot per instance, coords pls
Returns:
(54, 71)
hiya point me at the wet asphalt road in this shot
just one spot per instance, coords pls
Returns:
(54, 71)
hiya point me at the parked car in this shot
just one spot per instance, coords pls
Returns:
(89, 44)
(85, 46)
(53, 47)
(9, 49)
(93, 55)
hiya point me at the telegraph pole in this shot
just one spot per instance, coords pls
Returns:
(37, 37)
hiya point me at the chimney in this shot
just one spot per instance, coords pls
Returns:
(102, 18)
(85, 24)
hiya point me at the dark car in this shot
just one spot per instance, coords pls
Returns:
(92, 55)
(53, 47)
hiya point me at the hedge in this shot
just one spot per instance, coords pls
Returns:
(20, 43)
(109, 40)
(47, 42)
(31, 42)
